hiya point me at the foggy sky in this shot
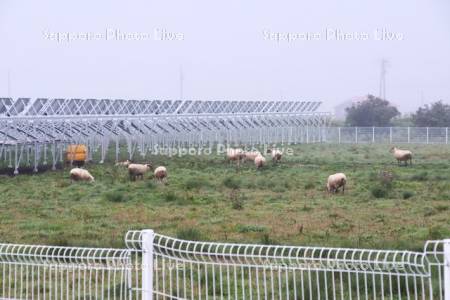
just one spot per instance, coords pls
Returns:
(223, 50)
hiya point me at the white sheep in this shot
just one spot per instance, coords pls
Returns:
(160, 173)
(402, 155)
(77, 174)
(260, 161)
(276, 154)
(235, 155)
(251, 155)
(138, 170)
(123, 163)
(336, 181)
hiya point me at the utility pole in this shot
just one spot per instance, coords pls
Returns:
(382, 93)
(9, 83)
(181, 82)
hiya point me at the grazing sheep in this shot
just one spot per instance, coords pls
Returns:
(336, 181)
(138, 170)
(161, 173)
(123, 163)
(77, 174)
(235, 155)
(260, 161)
(402, 155)
(251, 155)
(276, 154)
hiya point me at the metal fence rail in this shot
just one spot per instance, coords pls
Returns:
(155, 266)
(387, 135)
(45, 272)
(200, 270)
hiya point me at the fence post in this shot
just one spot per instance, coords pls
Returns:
(147, 264)
(390, 135)
(339, 134)
(409, 134)
(446, 135)
(356, 135)
(447, 269)
(373, 135)
(427, 135)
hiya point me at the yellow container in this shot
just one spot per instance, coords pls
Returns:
(76, 153)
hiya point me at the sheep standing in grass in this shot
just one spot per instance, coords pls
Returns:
(336, 181)
(251, 155)
(138, 170)
(235, 155)
(402, 155)
(123, 163)
(160, 173)
(260, 161)
(276, 155)
(77, 174)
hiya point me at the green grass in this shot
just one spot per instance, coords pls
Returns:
(207, 198)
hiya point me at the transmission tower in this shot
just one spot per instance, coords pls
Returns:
(384, 64)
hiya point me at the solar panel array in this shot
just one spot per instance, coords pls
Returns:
(51, 107)
(31, 127)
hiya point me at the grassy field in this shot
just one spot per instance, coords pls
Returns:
(205, 198)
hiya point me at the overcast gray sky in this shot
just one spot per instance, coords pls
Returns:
(227, 50)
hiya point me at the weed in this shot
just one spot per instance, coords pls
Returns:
(115, 196)
(190, 234)
(407, 194)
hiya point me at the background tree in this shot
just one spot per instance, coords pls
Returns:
(371, 112)
(435, 115)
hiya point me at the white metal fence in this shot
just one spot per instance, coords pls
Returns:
(386, 135)
(155, 266)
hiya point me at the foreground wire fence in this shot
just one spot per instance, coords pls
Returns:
(45, 272)
(155, 266)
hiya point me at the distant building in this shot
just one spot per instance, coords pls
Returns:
(339, 110)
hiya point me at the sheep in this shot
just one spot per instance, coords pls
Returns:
(77, 174)
(123, 163)
(236, 154)
(402, 155)
(260, 161)
(138, 170)
(251, 155)
(160, 173)
(276, 154)
(336, 181)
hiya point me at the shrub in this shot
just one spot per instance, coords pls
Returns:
(170, 196)
(386, 178)
(422, 176)
(309, 185)
(441, 207)
(435, 233)
(231, 183)
(190, 234)
(237, 201)
(267, 240)
(250, 228)
(407, 194)
(151, 184)
(379, 191)
(278, 189)
(115, 196)
(193, 183)
(429, 211)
